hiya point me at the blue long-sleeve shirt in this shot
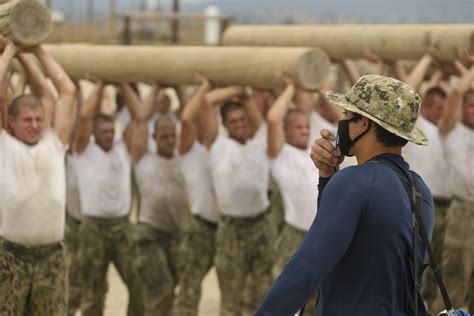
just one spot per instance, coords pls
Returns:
(357, 248)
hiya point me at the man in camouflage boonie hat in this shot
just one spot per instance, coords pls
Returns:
(359, 249)
(388, 102)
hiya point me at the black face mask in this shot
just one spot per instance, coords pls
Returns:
(344, 141)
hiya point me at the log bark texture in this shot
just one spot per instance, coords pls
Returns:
(392, 42)
(256, 67)
(25, 22)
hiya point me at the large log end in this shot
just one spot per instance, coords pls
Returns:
(313, 69)
(30, 23)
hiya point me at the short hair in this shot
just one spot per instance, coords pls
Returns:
(383, 136)
(164, 120)
(292, 113)
(26, 100)
(103, 117)
(467, 95)
(229, 107)
(435, 92)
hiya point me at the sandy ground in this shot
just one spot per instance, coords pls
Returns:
(117, 296)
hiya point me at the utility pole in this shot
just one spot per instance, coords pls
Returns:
(72, 13)
(175, 23)
(112, 14)
(90, 11)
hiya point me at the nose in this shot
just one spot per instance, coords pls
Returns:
(35, 124)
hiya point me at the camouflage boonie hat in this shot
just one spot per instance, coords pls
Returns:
(388, 102)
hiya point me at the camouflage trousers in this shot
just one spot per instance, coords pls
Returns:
(458, 256)
(105, 241)
(71, 242)
(33, 281)
(430, 286)
(285, 246)
(276, 209)
(197, 251)
(244, 257)
(156, 263)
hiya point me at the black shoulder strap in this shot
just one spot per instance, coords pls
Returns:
(414, 194)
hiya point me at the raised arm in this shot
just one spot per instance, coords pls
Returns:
(139, 129)
(19, 88)
(131, 99)
(84, 120)
(190, 114)
(326, 109)
(214, 99)
(253, 112)
(7, 56)
(416, 76)
(375, 58)
(64, 109)
(218, 96)
(276, 134)
(351, 71)
(38, 85)
(452, 112)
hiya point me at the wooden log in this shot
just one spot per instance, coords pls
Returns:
(392, 42)
(172, 65)
(26, 22)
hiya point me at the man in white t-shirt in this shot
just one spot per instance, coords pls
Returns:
(33, 269)
(103, 169)
(198, 238)
(295, 175)
(163, 206)
(457, 140)
(239, 168)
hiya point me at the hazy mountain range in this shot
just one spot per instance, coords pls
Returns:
(303, 11)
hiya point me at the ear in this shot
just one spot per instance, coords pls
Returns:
(10, 122)
(365, 122)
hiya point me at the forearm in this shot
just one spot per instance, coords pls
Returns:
(464, 83)
(282, 104)
(194, 105)
(5, 59)
(350, 70)
(146, 111)
(60, 79)
(452, 112)
(35, 76)
(91, 104)
(399, 72)
(221, 95)
(418, 73)
(254, 115)
(131, 99)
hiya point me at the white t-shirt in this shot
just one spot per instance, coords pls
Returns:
(163, 198)
(124, 118)
(429, 161)
(297, 178)
(458, 146)
(32, 189)
(262, 132)
(73, 202)
(240, 174)
(316, 124)
(104, 180)
(197, 173)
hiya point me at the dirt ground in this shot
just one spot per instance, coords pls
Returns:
(117, 296)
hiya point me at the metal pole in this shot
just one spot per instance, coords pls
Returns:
(71, 10)
(126, 35)
(175, 23)
(90, 11)
(112, 14)
(49, 3)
